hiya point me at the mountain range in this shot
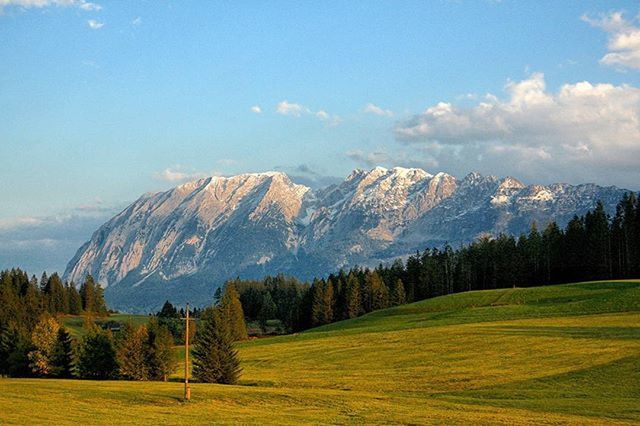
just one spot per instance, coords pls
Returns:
(183, 243)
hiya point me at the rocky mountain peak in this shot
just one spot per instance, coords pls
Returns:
(182, 243)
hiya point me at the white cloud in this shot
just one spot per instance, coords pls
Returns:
(375, 109)
(297, 110)
(256, 109)
(329, 119)
(95, 25)
(178, 173)
(288, 108)
(28, 4)
(583, 130)
(624, 40)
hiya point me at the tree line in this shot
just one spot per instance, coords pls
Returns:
(24, 299)
(34, 343)
(591, 247)
(49, 350)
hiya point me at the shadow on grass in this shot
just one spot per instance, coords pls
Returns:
(606, 333)
(608, 390)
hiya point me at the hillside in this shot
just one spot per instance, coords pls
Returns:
(182, 243)
(565, 354)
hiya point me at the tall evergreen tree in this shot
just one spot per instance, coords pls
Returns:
(15, 346)
(352, 308)
(97, 356)
(62, 355)
(268, 310)
(397, 294)
(214, 358)
(75, 301)
(88, 294)
(231, 309)
(132, 353)
(379, 292)
(161, 361)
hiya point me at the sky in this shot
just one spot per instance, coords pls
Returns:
(104, 101)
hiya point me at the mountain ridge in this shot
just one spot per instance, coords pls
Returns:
(182, 243)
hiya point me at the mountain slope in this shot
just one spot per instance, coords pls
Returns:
(182, 243)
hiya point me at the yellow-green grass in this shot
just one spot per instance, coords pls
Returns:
(548, 355)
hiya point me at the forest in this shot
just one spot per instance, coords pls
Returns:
(591, 247)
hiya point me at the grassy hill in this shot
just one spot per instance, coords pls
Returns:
(549, 355)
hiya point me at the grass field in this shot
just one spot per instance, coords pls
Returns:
(548, 355)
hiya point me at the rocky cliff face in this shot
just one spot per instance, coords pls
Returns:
(181, 244)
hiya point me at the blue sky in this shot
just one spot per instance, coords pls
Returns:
(104, 101)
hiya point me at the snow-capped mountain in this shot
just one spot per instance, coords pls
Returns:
(183, 243)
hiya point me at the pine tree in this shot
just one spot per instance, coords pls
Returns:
(366, 293)
(132, 353)
(97, 356)
(352, 296)
(168, 311)
(88, 294)
(231, 309)
(327, 302)
(15, 346)
(214, 358)
(75, 301)
(44, 338)
(397, 296)
(62, 355)
(379, 292)
(160, 358)
(99, 303)
(267, 311)
(317, 303)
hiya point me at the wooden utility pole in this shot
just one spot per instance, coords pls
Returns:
(187, 389)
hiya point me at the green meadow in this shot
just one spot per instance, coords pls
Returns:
(565, 354)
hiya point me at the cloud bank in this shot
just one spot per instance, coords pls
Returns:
(584, 131)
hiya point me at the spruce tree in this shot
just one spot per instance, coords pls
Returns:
(398, 296)
(366, 293)
(62, 355)
(352, 296)
(327, 302)
(100, 306)
(75, 301)
(97, 356)
(132, 353)
(379, 292)
(88, 294)
(232, 312)
(267, 311)
(160, 358)
(15, 346)
(214, 358)
(317, 303)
